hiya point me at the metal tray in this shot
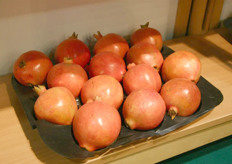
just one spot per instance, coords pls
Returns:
(61, 140)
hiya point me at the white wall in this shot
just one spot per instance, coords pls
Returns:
(43, 24)
(226, 10)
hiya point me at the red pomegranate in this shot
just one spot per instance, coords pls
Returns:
(182, 97)
(107, 63)
(111, 43)
(141, 76)
(73, 48)
(148, 35)
(181, 64)
(71, 76)
(103, 88)
(145, 53)
(56, 105)
(96, 125)
(143, 109)
(31, 68)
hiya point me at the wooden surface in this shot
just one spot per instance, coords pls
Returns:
(182, 18)
(196, 17)
(20, 144)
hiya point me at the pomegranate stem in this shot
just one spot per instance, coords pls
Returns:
(22, 64)
(145, 25)
(39, 89)
(68, 60)
(130, 65)
(73, 36)
(98, 36)
(172, 112)
(156, 68)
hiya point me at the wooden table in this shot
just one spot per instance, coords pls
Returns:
(20, 144)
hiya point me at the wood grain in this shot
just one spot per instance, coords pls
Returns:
(197, 17)
(182, 18)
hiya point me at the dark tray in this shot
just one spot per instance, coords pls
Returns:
(60, 138)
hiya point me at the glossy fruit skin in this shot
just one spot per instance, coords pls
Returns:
(182, 95)
(145, 53)
(56, 105)
(96, 125)
(112, 43)
(144, 109)
(107, 63)
(71, 76)
(102, 88)
(74, 49)
(147, 35)
(181, 64)
(141, 76)
(31, 68)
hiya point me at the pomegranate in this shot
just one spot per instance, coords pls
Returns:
(148, 35)
(96, 125)
(73, 48)
(182, 97)
(107, 63)
(31, 68)
(145, 53)
(56, 105)
(143, 109)
(141, 76)
(103, 88)
(111, 43)
(181, 64)
(71, 76)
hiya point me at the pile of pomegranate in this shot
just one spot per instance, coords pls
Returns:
(134, 78)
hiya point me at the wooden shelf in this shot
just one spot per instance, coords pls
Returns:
(18, 142)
